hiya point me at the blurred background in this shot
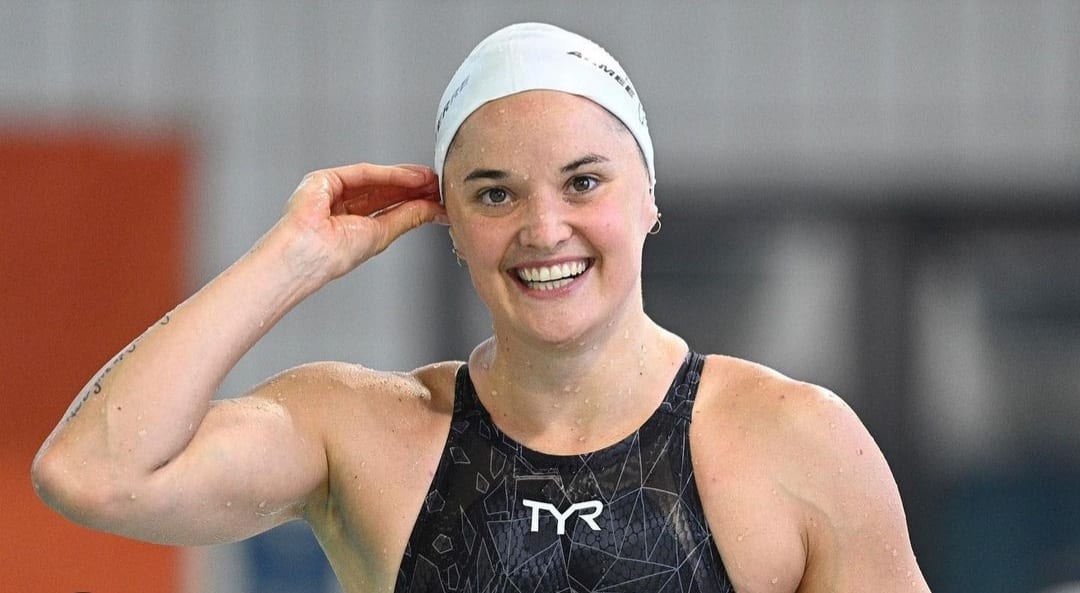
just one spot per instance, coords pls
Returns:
(879, 197)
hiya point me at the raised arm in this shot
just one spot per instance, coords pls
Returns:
(143, 452)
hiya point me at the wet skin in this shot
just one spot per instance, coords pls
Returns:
(796, 492)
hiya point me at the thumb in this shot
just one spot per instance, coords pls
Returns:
(407, 216)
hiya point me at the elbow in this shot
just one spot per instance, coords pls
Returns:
(54, 481)
(72, 491)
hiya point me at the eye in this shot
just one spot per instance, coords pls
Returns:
(494, 196)
(583, 183)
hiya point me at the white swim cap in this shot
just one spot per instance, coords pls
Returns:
(533, 56)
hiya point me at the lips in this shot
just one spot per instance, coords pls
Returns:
(552, 276)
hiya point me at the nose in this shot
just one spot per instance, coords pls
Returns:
(545, 225)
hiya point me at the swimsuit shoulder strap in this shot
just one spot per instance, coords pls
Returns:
(679, 400)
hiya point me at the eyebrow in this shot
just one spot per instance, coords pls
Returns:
(588, 159)
(486, 174)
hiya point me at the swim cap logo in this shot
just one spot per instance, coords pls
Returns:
(613, 73)
(449, 102)
(594, 506)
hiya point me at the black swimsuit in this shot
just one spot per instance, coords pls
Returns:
(501, 518)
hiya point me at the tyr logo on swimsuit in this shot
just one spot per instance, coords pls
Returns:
(594, 506)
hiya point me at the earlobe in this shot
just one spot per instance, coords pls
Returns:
(655, 230)
(454, 248)
(652, 215)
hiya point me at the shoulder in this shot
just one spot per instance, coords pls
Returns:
(329, 393)
(329, 379)
(802, 448)
(804, 433)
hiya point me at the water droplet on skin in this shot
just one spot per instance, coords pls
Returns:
(494, 393)
(262, 504)
(363, 463)
(191, 426)
(228, 503)
(485, 366)
(895, 552)
(739, 538)
(142, 432)
(907, 574)
(132, 496)
(775, 580)
(581, 439)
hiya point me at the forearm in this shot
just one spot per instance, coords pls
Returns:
(144, 406)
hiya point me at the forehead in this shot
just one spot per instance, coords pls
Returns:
(536, 115)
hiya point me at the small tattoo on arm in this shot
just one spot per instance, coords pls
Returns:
(95, 387)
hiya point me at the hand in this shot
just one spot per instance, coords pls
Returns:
(338, 218)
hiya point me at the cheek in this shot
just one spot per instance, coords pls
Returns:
(615, 227)
(478, 240)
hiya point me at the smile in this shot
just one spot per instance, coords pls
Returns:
(553, 276)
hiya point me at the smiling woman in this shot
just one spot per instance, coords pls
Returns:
(569, 193)
(582, 447)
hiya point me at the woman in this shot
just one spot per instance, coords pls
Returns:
(582, 447)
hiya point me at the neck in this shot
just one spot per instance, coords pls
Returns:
(576, 396)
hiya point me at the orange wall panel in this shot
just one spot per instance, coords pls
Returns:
(93, 229)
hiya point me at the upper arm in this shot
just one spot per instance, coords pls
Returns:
(253, 463)
(856, 530)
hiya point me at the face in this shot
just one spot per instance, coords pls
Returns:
(549, 204)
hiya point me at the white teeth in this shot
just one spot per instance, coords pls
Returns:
(550, 277)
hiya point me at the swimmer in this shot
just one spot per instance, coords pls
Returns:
(582, 447)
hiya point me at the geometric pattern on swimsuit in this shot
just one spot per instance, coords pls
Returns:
(502, 518)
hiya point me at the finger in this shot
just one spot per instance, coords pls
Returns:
(374, 200)
(353, 177)
(407, 216)
(419, 168)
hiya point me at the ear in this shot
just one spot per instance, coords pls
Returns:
(651, 212)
